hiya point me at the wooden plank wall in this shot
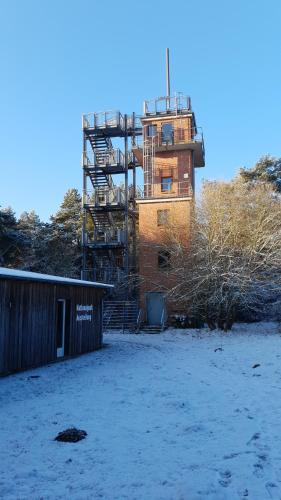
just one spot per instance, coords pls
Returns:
(4, 325)
(85, 336)
(28, 322)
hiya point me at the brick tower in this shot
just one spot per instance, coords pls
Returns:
(172, 147)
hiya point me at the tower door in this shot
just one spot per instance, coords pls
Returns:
(155, 307)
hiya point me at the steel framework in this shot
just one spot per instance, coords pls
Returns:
(109, 241)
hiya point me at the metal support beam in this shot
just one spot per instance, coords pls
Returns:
(134, 221)
(126, 256)
(84, 226)
(167, 73)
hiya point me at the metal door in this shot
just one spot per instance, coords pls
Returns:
(155, 307)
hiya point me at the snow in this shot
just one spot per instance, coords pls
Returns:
(179, 416)
(6, 272)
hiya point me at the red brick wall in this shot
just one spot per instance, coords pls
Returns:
(182, 126)
(153, 237)
(177, 164)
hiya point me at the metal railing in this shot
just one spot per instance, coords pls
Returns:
(120, 315)
(163, 320)
(106, 237)
(178, 135)
(111, 119)
(108, 158)
(110, 275)
(102, 196)
(176, 189)
(139, 319)
(164, 105)
(132, 159)
(104, 119)
(134, 122)
(100, 158)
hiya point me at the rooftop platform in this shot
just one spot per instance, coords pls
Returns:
(177, 105)
(111, 124)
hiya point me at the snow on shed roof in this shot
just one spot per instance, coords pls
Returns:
(27, 275)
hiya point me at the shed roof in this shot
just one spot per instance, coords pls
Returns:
(17, 274)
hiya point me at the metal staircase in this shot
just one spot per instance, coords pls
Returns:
(107, 238)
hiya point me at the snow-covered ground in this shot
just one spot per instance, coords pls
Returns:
(181, 416)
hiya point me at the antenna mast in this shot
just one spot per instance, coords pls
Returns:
(167, 73)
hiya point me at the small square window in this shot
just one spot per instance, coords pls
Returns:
(162, 217)
(166, 184)
(164, 259)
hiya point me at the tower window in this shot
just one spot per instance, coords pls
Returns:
(162, 217)
(166, 184)
(151, 130)
(164, 259)
(167, 133)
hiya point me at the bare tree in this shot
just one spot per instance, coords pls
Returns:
(233, 260)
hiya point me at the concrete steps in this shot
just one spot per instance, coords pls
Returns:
(151, 329)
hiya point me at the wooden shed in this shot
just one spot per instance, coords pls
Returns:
(43, 318)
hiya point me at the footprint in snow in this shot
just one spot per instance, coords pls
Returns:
(193, 428)
(225, 478)
(258, 470)
(244, 493)
(260, 464)
(272, 490)
(254, 437)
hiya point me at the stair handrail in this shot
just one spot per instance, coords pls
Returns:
(163, 320)
(139, 320)
(107, 319)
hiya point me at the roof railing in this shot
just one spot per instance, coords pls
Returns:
(176, 104)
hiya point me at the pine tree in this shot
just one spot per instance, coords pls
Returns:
(68, 219)
(32, 231)
(267, 169)
(11, 240)
(64, 236)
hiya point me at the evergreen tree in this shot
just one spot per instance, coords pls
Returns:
(11, 241)
(64, 236)
(32, 231)
(267, 169)
(68, 219)
(52, 248)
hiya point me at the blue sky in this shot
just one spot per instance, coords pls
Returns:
(62, 58)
